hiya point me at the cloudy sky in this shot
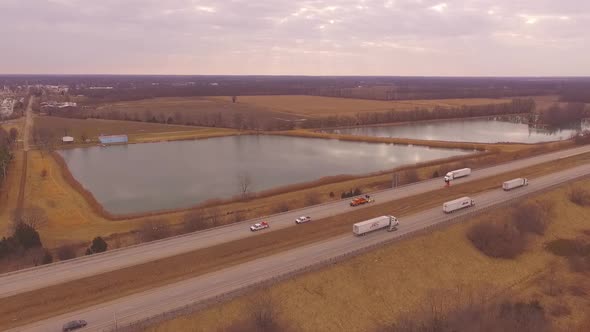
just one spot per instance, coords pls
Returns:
(332, 37)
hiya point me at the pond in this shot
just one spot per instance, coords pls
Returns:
(168, 175)
(481, 130)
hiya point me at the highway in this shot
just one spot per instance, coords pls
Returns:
(43, 276)
(147, 304)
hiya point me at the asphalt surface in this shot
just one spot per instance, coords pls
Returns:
(43, 276)
(139, 306)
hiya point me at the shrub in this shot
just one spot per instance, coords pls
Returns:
(356, 192)
(435, 174)
(27, 236)
(66, 252)
(332, 194)
(579, 196)
(499, 240)
(98, 245)
(530, 218)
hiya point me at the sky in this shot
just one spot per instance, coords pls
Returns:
(292, 37)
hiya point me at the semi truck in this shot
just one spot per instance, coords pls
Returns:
(515, 183)
(364, 227)
(458, 204)
(458, 173)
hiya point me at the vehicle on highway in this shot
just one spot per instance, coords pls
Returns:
(515, 183)
(361, 200)
(259, 226)
(458, 173)
(458, 204)
(74, 325)
(302, 220)
(364, 227)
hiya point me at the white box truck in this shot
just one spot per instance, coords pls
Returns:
(458, 173)
(458, 204)
(364, 227)
(515, 183)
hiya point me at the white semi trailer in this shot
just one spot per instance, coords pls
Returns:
(364, 227)
(515, 183)
(458, 204)
(458, 173)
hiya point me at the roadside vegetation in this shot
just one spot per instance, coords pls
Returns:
(434, 282)
(133, 279)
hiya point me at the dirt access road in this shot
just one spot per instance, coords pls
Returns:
(38, 277)
(124, 311)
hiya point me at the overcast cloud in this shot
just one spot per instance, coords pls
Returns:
(317, 37)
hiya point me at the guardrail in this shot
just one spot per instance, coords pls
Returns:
(142, 324)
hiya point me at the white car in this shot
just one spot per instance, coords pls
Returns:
(259, 226)
(303, 219)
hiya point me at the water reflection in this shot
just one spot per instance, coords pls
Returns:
(155, 176)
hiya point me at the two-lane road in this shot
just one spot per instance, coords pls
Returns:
(43, 276)
(147, 304)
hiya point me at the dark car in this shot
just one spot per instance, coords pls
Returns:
(74, 325)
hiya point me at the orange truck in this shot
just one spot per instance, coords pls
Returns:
(360, 201)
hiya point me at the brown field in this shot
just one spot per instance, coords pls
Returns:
(382, 286)
(137, 131)
(326, 106)
(183, 109)
(60, 298)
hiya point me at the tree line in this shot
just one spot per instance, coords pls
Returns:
(557, 115)
(420, 114)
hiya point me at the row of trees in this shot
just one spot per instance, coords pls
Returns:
(419, 114)
(226, 119)
(7, 141)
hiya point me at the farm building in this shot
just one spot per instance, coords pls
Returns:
(67, 139)
(113, 139)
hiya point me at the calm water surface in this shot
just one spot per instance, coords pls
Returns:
(468, 130)
(155, 176)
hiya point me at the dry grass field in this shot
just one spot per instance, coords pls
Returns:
(59, 298)
(137, 131)
(185, 109)
(382, 286)
(315, 106)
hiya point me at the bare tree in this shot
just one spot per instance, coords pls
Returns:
(245, 184)
(35, 217)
